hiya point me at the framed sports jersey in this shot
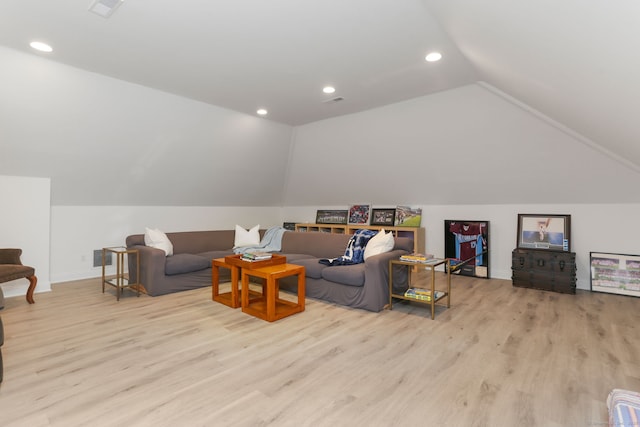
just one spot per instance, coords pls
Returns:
(466, 245)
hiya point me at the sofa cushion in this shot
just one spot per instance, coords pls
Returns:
(215, 254)
(245, 238)
(380, 243)
(351, 275)
(295, 257)
(312, 268)
(185, 263)
(157, 239)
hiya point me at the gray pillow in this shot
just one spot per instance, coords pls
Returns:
(185, 263)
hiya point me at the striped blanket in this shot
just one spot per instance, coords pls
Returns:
(355, 249)
(624, 408)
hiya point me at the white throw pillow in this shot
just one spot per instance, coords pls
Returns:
(157, 239)
(246, 238)
(379, 244)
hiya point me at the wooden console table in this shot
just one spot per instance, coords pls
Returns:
(417, 234)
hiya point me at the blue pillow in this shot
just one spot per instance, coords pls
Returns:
(355, 247)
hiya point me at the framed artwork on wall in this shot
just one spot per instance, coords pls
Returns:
(466, 244)
(328, 216)
(546, 232)
(383, 216)
(615, 273)
(359, 214)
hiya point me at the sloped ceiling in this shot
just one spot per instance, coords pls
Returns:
(246, 54)
(571, 63)
(575, 61)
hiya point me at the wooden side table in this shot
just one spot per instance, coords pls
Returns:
(235, 264)
(121, 280)
(429, 265)
(269, 307)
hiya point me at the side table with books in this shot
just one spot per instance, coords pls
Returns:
(236, 263)
(429, 295)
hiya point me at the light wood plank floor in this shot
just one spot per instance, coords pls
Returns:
(500, 356)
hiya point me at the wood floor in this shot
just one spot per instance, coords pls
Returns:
(500, 356)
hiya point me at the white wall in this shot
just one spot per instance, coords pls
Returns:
(594, 228)
(106, 142)
(463, 146)
(24, 224)
(76, 231)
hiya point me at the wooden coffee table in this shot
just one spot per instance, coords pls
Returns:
(269, 306)
(235, 264)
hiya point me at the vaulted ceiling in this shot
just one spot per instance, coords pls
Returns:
(573, 62)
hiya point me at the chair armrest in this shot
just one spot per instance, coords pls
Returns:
(10, 256)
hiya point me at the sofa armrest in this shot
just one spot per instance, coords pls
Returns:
(376, 277)
(152, 267)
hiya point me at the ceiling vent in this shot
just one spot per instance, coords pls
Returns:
(105, 8)
(333, 100)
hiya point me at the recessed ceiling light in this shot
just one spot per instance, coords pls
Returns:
(262, 112)
(433, 57)
(42, 47)
(329, 89)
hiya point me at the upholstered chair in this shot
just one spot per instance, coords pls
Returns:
(11, 268)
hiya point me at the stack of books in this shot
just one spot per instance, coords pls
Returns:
(255, 256)
(422, 294)
(415, 257)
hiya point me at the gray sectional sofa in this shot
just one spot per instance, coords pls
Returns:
(362, 285)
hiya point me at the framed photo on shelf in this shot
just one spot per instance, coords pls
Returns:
(466, 244)
(408, 217)
(615, 273)
(359, 214)
(325, 216)
(383, 216)
(546, 232)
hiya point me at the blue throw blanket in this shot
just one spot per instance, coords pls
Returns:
(355, 249)
(271, 242)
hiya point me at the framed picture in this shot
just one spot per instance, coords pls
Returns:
(408, 217)
(466, 244)
(547, 232)
(359, 214)
(615, 273)
(383, 217)
(331, 217)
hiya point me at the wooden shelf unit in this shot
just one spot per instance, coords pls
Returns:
(417, 234)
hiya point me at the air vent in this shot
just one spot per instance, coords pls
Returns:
(105, 8)
(333, 100)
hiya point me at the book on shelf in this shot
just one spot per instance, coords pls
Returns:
(422, 294)
(416, 257)
(255, 256)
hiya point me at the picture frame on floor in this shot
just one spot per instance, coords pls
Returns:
(544, 232)
(615, 273)
(466, 245)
